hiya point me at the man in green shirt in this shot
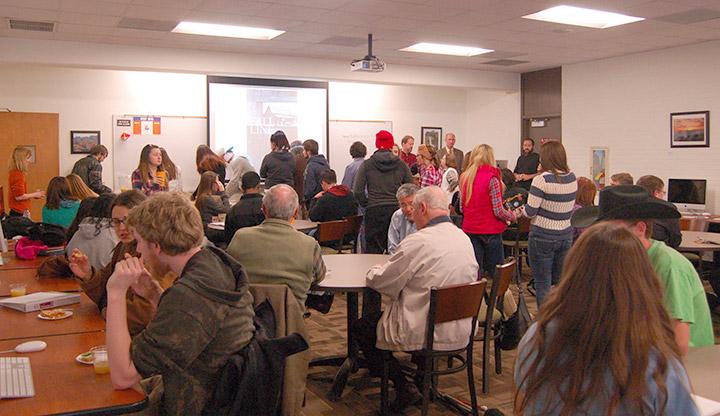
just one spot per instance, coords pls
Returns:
(684, 293)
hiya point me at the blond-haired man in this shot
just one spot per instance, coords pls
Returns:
(200, 321)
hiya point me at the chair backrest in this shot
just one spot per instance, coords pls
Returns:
(331, 230)
(452, 303)
(353, 224)
(503, 276)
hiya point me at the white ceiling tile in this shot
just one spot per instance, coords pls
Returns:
(93, 7)
(249, 8)
(155, 13)
(88, 19)
(171, 4)
(33, 4)
(28, 14)
(294, 12)
(319, 4)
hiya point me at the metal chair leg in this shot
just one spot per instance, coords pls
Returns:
(427, 380)
(471, 381)
(384, 404)
(486, 352)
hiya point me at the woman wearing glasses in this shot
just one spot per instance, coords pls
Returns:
(93, 280)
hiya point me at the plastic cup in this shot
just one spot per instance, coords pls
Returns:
(162, 176)
(18, 289)
(100, 360)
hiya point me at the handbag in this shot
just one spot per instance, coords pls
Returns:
(513, 328)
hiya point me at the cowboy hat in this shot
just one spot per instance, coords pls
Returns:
(624, 202)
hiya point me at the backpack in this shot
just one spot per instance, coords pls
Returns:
(13, 226)
(50, 234)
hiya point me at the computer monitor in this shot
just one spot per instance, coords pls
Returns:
(687, 194)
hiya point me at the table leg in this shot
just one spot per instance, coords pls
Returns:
(350, 365)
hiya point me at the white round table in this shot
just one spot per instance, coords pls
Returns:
(702, 365)
(699, 241)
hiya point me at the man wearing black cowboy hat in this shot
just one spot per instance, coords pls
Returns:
(684, 293)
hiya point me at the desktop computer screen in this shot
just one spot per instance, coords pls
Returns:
(687, 194)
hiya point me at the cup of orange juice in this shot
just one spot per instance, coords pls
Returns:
(100, 360)
(162, 177)
(18, 289)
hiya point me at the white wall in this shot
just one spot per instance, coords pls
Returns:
(86, 99)
(625, 103)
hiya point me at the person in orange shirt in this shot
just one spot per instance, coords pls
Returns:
(19, 198)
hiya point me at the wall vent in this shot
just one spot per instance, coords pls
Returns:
(31, 26)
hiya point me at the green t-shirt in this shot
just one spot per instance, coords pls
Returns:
(684, 293)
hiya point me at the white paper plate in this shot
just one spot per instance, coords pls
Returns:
(67, 314)
(81, 361)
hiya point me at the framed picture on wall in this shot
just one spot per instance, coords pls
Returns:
(599, 166)
(81, 141)
(33, 150)
(432, 136)
(691, 129)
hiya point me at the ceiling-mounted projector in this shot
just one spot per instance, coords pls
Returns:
(370, 63)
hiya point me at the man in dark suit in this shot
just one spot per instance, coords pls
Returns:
(450, 149)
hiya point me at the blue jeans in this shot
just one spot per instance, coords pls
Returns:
(546, 261)
(488, 251)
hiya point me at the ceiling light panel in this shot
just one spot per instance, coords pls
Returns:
(441, 49)
(227, 31)
(578, 16)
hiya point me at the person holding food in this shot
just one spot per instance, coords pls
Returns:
(93, 280)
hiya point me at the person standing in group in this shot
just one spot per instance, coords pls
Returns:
(207, 160)
(358, 151)
(550, 205)
(211, 201)
(18, 195)
(484, 216)
(149, 177)
(527, 164)
(429, 165)
(406, 154)
(60, 206)
(173, 171)
(451, 150)
(89, 169)
(316, 165)
(278, 166)
(238, 167)
(381, 174)
(603, 344)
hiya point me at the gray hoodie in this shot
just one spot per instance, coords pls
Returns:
(382, 174)
(96, 241)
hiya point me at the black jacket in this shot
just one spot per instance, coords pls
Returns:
(90, 171)
(337, 203)
(316, 165)
(278, 167)
(382, 174)
(667, 231)
(246, 213)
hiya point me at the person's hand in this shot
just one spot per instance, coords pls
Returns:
(220, 186)
(147, 287)
(127, 272)
(519, 212)
(39, 193)
(80, 264)
(157, 180)
(319, 194)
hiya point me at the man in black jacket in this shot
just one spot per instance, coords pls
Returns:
(247, 212)
(382, 174)
(89, 169)
(335, 202)
(316, 164)
(665, 230)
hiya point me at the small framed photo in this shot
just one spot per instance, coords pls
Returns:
(81, 141)
(432, 136)
(599, 166)
(691, 129)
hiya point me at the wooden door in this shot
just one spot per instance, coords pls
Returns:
(30, 129)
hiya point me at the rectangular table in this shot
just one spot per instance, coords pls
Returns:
(11, 262)
(63, 385)
(34, 283)
(86, 318)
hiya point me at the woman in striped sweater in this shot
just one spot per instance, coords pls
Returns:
(550, 204)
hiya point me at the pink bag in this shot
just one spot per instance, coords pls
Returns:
(28, 249)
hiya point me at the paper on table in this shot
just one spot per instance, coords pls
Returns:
(706, 406)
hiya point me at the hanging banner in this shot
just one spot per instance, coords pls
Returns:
(146, 125)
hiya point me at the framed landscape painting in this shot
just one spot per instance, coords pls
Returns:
(691, 129)
(81, 141)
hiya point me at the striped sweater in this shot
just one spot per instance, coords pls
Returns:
(550, 204)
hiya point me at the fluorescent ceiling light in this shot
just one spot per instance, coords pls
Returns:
(441, 49)
(228, 31)
(578, 16)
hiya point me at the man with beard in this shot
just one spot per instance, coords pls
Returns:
(527, 164)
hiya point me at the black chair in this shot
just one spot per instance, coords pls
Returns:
(449, 303)
(492, 324)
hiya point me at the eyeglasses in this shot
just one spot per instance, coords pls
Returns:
(115, 222)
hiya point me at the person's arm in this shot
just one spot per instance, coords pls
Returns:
(264, 167)
(497, 202)
(535, 198)
(393, 235)
(309, 183)
(18, 188)
(319, 269)
(407, 175)
(137, 181)
(682, 335)
(318, 212)
(359, 186)
(95, 179)
(391, 278)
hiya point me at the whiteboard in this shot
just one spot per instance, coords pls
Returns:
(343, 133)
(180, 136)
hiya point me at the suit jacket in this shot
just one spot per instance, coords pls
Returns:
(459, 155)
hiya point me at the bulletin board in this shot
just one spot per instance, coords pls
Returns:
(344, 133)
(179, 135)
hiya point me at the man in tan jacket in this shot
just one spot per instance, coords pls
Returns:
(438, 254)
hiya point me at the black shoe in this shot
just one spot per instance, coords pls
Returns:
(408, 394)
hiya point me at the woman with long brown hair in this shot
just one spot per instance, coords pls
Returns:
(78, 189)
(150, 177)
(60, 206)
(206, 160)
(585, 197)
(18, 195)
(603, 343)
(550, 204)
(211, 201)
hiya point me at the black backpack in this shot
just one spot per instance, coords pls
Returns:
(13, 226)
(50, 234)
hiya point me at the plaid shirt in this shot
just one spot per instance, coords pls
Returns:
(430, 175)
(149, 187)
(497, 202)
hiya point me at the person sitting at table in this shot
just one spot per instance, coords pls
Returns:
(150, 176)
(60, 206)
(620, 359)
(402, 223)
(93, 281)
(665, 230)
(334, 202)
(199, 322)
(684, 296)
(248, 210)
(274, 252)
(438, 254)
(211, 201)
(93, 231)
